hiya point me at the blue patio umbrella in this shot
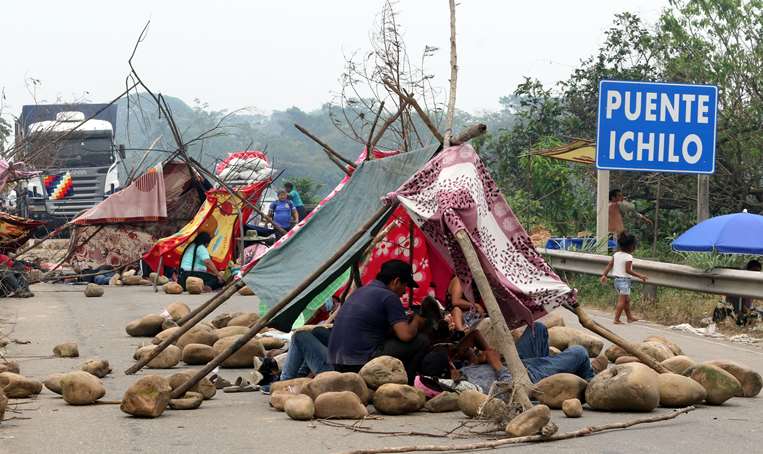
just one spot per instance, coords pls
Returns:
(738, 233)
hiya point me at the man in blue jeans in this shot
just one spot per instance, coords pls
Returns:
(533, 350)
(308, 353)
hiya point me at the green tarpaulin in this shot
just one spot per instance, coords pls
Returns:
(281, 270)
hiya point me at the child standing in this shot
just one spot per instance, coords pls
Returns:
(621, 266)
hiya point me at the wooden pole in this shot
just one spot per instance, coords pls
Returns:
(506, 346)
(370, 141)
(703, 197)
(265, 319)
(410, 258)
(410, 100)
(159, 269)
(325, 146)
(470, 133)
(632, 349)
(453, 76)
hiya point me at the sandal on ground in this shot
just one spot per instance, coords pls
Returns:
(241, 386)
(219, 381)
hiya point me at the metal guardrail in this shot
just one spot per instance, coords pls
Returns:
(718, 281)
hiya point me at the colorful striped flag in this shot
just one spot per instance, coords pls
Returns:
(58, 186)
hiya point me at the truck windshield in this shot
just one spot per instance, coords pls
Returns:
(84, 152)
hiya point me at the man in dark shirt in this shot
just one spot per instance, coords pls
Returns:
(372, 322)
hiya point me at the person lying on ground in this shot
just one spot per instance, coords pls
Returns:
(465, 313)
(197, 262)
(475, 362)
(283, 212)
(621, 266)
(13, 280)
(372, 322)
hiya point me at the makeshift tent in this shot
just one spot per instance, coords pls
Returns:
(15, 231)
(453, 191)
(283, 268)
(129, 222)
(218, 216)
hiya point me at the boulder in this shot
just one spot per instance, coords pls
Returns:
(278, 399)
(18, 386)
(335, 381)
(3, 404)
(294, 385)
(657, 350)
(132, 279)
(678, 364)
(614, 352)
(244, 357)
(93, 290)
(562, 337)
(572, 408)
(529, 422)
(627, 359)
(382, 370)
(199, 334)
(194, 285)
(53, 383)
(300, 407)
(66, 350)
(246, 319)
(98, 367)
(674, 348)
(173, 288)
(231, 331)
(81, 388)
(167, 359)
(189, 401)
(719, 384)
(9, 366)
(167, 324)
(442, 403)
(221, 321)
(554, 390)
(552, 319)
(340, 405)
(271, 343)
(205, 387)
(678, 391)
(749, 379)
(159, 338)
(178, 310)
(624, 387)
(397, 399)
(469, 402)
(197, 354)
(148, 326)
(148, 397)
(246, 291)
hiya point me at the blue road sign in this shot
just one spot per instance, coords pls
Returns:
(656, 127)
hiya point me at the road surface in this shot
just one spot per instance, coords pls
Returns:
(244, 422)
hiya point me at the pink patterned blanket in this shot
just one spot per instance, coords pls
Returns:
(454, 192)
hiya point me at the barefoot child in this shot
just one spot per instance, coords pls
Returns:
(621, 266)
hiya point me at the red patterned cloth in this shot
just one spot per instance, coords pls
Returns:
(455, 192)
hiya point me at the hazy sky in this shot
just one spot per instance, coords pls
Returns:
(276, 54)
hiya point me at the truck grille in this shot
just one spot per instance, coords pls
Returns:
(88, 191)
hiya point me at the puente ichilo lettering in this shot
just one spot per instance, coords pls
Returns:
(656, 127)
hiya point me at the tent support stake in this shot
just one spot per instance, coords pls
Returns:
(507, 348)
(270, 314)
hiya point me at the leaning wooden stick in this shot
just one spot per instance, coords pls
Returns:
(267, 318)
(629, 347)
(369, 148)
(325, 146)
(507, 348)
(585, 431)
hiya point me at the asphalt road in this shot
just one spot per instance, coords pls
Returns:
(245, 423)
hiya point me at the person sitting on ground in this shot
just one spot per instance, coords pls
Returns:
(197, 262)
(465, 314)
(372, 322)
(13, 280)
(621, 266)
(742, 305)
(474, 361)
(283, 212)
(296, 199)
(308, 353)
